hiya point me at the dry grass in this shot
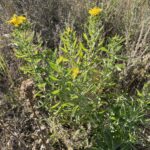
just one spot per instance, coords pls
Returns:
(131, 19)
(50, 16)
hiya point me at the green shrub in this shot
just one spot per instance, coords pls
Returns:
(78, 85)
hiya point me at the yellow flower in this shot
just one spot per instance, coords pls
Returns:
(17, 20)
(95, 11)
(75, 72)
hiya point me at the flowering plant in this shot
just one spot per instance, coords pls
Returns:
(17, 20)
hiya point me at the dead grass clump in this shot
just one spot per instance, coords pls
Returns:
(131, 20)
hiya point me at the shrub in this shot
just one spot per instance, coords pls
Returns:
(78, 87)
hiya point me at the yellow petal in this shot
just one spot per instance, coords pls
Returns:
(95, 11)
(17, 20)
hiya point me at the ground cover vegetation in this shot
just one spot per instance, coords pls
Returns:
(75, 75)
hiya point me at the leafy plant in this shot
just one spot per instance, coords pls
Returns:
(77, 85)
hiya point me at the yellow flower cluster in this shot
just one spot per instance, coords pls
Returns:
(17, 20)
(95, 11)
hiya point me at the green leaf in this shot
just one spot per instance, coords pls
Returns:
(2, 63)
(119, 67)
(73, 96)
(74, 110)
(42, 85)
(61, 59)
(139, 93)
(64, 49)
(104, 49)
(85, 36)
(56, 92)
(75, 43)
(54, 67)
(67, 105)
(83, 47)
(102, 112)
(56, 105)
(113, 118)
(53, 78)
